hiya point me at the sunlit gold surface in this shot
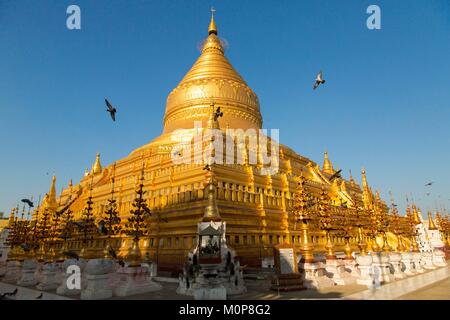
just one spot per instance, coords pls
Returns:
(212, 79)
(257, 208)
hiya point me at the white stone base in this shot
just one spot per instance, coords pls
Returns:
(314, 275)
(97, 287)
(134, 280)
(97, 275)
(49, 277)
(335, 268)
(365, 271)
(28, 269)
(381, 268)
(439, 258)
(417, 262)
(395, 260)
(407, 265)
(210, 293)
(351, 268)
(427, 261)
(13, 272)
(63, 287)
(38, 272)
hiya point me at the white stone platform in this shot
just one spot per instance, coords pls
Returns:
(400, 288)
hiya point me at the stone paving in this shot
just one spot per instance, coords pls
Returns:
(436, 291)
(428, 286)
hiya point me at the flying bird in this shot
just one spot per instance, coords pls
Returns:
(28, 202)
(112, 111)
(319, 80)
(428, 193)
(217, 114)
(429, 184)
(207, 167)
(336, 175)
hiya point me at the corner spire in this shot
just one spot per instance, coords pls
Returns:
(416, 214)
(364, 178)
(352, 181)
(96, 167)
(51, 198)
(431, 224)
(212, 25)
(327, 166)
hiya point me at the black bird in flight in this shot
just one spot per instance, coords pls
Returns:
(207, 167)
(217, 114)
(429, 184)
(28, 202)
(112, 111)
(336, 175)
(319, 80)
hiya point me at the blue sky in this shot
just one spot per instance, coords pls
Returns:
(386, 103)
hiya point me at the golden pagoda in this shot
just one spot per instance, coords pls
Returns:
(255, 205)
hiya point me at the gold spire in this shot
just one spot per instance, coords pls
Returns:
(364, 179)
(96, 167)
(327, 166)
(377, 196)
(212, 122)
(212, 78)
(51, 196)
(416, 214)
(212, 25)
(211, 210)
(431, 225)
(367, 193)
(352, 181)
(11, 217)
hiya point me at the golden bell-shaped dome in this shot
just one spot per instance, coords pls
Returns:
(212, 79)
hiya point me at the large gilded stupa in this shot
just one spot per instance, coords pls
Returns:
(255, 205)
